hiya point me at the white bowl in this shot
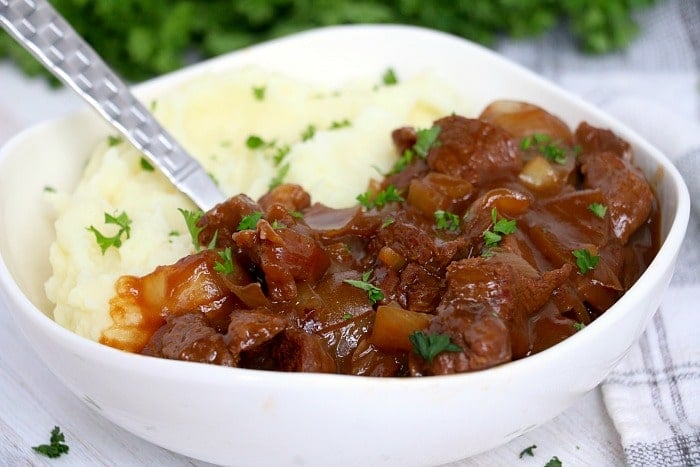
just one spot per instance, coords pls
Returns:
(249, 417)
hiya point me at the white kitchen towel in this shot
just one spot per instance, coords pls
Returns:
(653, 396)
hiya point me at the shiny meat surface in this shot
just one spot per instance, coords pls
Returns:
(491, 239)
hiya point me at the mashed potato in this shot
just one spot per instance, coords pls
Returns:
(331, 142)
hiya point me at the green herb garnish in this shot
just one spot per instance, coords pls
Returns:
(335, 125)
(385, 196)
(403, 162)
(446, 221)
(598, 209)
(544, 144)
(279, 178)
(308, 133)
(226, 267)
(250, 221)
(499, 228)
(113, 140)
(428, 346)
(426, 139)
(553, 462)
(579, 326)
(145, 165)
(389, 77)
(374, 293)
(57, 445)
(124, 223)
(191, 219)
(584, 260)
(387, 222)
(528, 451)
(280, 154)
(259, 92)
(256, 142)
(278, 225)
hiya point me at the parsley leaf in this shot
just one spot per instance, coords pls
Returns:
(227, 266)
(256, 142)
(403, 162)
(584, 260)
(499, 228)
(278, 225)
(598, 209)
(145, 165)
(114, 140)
(553, 462)
(280, 154)
(191, 219)
(308, 133)
(544, 144)
(124, 223)
(385, 196)
(335, 125)
(426, 139)
(528, 451)
(49, 189)
(387, 222)
(57, 445)
(374, 293)
(446, 221)
(389, 77)
(279, 178)
(259, 92)
(428, 346)
(579, 326)
(250, 221)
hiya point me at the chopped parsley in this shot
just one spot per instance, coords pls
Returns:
(528, 451)
(426, 138)
(598, 209)
(280, 154)
(308, 132)
(124, 223)
(584, 260)
(256, 142)
(226, 267)
(389, 77)
(374, 293)
(250, 221)
(335, 125)
(579, 326)
(499, 228)
(403, 162)
(553, 462)
(259, 92)
(154, 105)
(446, 221)
(191, 219)
(347, 316)
(387, 222)
(546, 146)
(296, 214)
(278, 225)
(57, 445)
(385, 196)
(428, 346)
(173, 233)
(49, 189)
(279, 178)
(145, 165)
(113, 140)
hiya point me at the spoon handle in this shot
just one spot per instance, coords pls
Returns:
(48, 36)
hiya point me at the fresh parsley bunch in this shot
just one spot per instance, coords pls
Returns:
(141, 39)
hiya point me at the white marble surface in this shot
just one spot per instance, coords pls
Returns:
(32, 399)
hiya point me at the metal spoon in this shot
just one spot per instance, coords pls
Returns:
(48, 36)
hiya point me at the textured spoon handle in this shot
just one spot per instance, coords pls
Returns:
(42, 31)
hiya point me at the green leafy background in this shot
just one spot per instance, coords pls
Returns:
(142, 38)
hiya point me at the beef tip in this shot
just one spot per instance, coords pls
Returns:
(367, 360)
(473, 150)
(627, 194)
(482, 337)
(284, 256)
(189, 337)
(249, 329)
(408, 241)
(420, 289)
(300, 351)
(504, 285)
(592, 139)
(223, 220)
(404, 138)
(292, 197)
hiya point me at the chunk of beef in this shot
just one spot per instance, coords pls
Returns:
(300, 351)
(249, 329)
(189, 337)
(420, 289)
(473, 150)
(223, 219)
(627, 194)
(592, 139)
(404, 138)
(291, 197)
(284, 256)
